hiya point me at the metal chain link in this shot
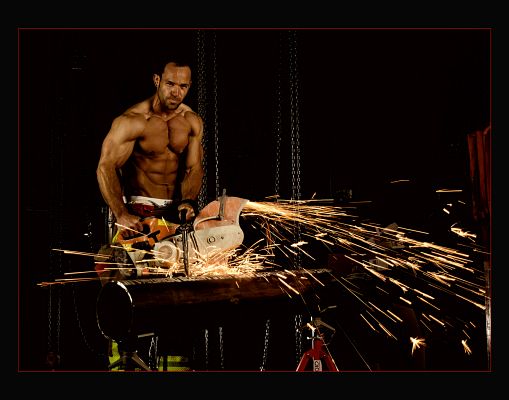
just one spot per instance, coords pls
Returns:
(202, 97)
(298, 337)
(153, 359)
(295, 134)
(216, 120)
(59, 308)
(55, 267)
(221, 347)
(278, 126)
(265, 346)
(294, 117)
(206, 349)
(50, 320)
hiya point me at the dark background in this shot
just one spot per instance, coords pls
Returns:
(375, 106)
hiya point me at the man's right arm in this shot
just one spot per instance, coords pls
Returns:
(116, 149)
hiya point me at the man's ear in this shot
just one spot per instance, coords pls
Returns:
(156, 80)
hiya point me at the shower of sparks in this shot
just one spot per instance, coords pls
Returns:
(82, 253)
(288, 286)
(130, 229)
(460, 232)
(417, 343)
(422, 271)
(449, 190)
(65, 281)
(465, 347)
(411, 270)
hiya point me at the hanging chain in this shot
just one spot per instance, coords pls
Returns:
(298, 337)
(294, 116)
(53, 355)
(50, 322)
(277, 129)
(59, 319)
(265, 345)
(153, 359)
(206, 349)
(216, 120)
(221, 347)
(295, 134)
(202, 98)
(55, 269)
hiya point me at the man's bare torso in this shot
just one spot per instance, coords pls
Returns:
(153, 167)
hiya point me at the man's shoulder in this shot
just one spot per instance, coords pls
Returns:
(141, 109)
(184, 108)
(189, 113)
(131, 120)
(136, 114)
(195, 121)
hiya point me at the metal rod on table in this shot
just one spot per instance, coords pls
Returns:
(185, 246)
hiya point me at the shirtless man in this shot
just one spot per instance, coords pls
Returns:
(154, 151)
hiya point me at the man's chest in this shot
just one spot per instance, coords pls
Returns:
(160, 135)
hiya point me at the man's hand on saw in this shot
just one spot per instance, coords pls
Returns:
(130, 225)
(190, 207)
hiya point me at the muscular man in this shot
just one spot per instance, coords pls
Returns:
(153, 153)
(151, 159)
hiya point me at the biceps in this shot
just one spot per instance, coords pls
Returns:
(116, 153)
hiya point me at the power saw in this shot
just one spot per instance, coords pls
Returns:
(209, 239)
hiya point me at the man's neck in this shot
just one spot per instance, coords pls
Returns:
(163, 112)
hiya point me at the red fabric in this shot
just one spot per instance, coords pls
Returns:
(479, 147)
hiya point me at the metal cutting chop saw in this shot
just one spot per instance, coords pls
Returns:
(174, 248)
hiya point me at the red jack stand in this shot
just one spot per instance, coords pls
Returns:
(318, 351)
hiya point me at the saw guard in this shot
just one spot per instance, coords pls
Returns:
(214, 234)
(210, 216)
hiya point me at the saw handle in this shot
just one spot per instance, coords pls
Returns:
(183, 216)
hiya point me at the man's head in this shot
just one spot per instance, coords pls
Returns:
(172, 84)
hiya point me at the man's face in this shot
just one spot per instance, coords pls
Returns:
(174, 85)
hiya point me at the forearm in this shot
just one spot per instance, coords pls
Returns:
(192, 182)
(111, 190)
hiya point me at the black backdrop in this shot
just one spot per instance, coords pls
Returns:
(375, 106)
